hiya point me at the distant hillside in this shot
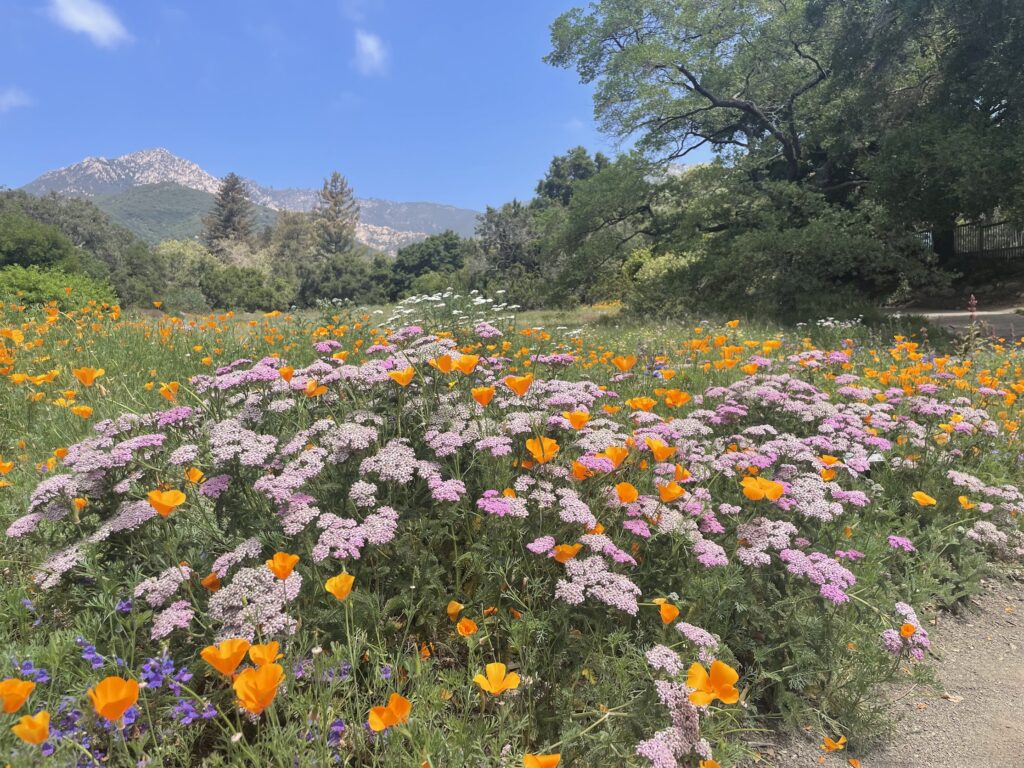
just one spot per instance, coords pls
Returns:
(166, 211)
(158, 195)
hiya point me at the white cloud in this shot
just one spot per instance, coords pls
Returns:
(12, 98)
(92, 18)
(371, 53)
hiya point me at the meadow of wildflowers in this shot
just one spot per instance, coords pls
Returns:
(444, 537)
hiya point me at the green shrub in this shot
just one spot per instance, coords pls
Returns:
(33, 285)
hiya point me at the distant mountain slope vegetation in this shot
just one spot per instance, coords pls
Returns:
(158, 196)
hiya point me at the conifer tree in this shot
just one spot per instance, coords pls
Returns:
(335, 216)
(231, 218)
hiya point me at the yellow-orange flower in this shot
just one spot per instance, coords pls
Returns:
(624, 362)
(82, 411)
(211, 582)
(194, 475)
(576, 419)
(669, 492)
(659, 450)
(113, 696)
(483, 395)
(467, 363)
(669, 612)
(265, 653)
(340, 586)
(169, 390)
(566, 552)
(923, 499)
(641, 403)
(719, 684)
(395, 713)
(965, 502)
(616, 454)
(165, 502)
(87, 376)
(226, 655)
(33, 729)
(757, 488)
(543, 449)
(443, 363)
(14, 693)
(541, 761)
(907, 630)
(830, 745)
(627, 492)
(256, 688)
(519, 384)
(709, 764)
(314, 388)
(497, 681)
(282, 564)
(466, 627)
(453, 609)
(402, 377)
(286, 372)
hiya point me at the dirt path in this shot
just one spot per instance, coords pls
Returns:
(1005, 323)
(976, 721)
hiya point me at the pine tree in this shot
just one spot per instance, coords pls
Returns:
(335, 216)
(231, 218)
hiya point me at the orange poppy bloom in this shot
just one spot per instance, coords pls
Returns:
(14, 693)
(226, 655)
(541, 761)
(566, 552)
(6, 466)
(750, 368)
(285, 372)
(80, 503)
(580, 471)
(113, 696)
(907, 630)
(82, 411)
(829, 745)
(403, 377)
(659, 450)
(169, 390)
(719, 684)
(266, 653)
(709, 764)
(676, 398)
(519, 384)
(340, 586)
(282, 564)
(641, 403)
(165, 502)
(256, 688)
(616, 454)
(757, 488)
(627, 493)
(33, 729)
(443, 363)
(543, 449)
(314, 388)
(965, 502)
(453, 609)
(923, 499)
(466, 627)
(466, 364)
(669, 612)
(87, 376)
(194, 475)
(211, 582)
(624, 362)
(483, 395)
(611, 409)
(576, 419)
(395, 713)
(827, 474)
(497, 681)
(669, 492)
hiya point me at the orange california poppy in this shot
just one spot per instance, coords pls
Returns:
(14, 693)
(541, 761)
(313, 388)
(483, 395)
(580, 471)
(282, 564)
(923, 499)
(709, 764)
(285, 372)
(395, 713)
(965, 502)
(757, 488)
(453, 609)
(543, 449)
(256, 688)
(659, 450)
(265, 653)
(907, 630)
(226, 655)
(33, 729)
(194, 475)
(466, 364)
(169, 390)
(624, 362)
(576, 419)
(113, 696)
(641, 403)
(211, 582)
(466, 627)
(443, 363)
(829, 745)
(616, 454)
(497, 681)
(719, 684)
(669, 612)
(81, 411)
(403, 377)
(87, 376)
(519, 384)
(165, 502)
(340, 586)
(627, 493)
(566, 552)
(669, 492)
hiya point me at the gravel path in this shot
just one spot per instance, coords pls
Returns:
(975, 721)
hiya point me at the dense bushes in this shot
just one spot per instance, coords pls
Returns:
(33, 285)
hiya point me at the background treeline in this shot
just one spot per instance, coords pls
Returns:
(848, 140)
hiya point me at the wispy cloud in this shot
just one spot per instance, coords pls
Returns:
(12, 98)
(92, 18)
(371, 53)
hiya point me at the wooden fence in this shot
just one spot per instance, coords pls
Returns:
(1002, 241)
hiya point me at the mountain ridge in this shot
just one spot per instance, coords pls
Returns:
(137, 190)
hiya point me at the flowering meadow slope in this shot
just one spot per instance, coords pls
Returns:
(439, 539)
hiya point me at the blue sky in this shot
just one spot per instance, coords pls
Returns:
(443, 101)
